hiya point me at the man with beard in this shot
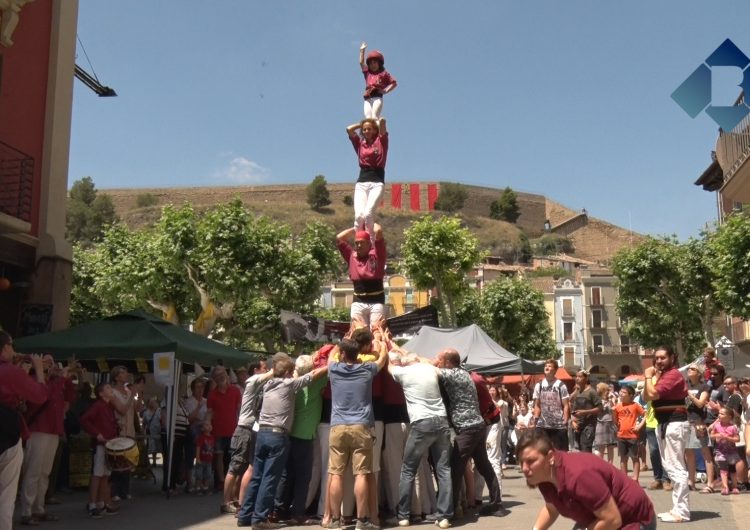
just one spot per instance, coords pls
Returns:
(667, 389)
(582, 487)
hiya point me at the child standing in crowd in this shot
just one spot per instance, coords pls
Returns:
(606, 433)
(725, 435)
(626, 415)
(152, 426)
(204, 449)
(100, 422)
(377, 81)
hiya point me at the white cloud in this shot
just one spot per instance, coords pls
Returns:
(242, 170)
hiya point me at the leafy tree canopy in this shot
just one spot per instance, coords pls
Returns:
(317, 193)
(506, 207)
(729, 261)
(665, 294)
(451, 197)
(89, 213)
(439, 253)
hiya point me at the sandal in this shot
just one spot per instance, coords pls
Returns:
(707, 489)
(725, 491)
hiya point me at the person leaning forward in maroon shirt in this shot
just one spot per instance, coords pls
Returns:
(582, 487)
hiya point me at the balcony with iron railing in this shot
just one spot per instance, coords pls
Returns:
(732, 152)
(16, 183)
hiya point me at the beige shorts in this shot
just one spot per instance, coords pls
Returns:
(350, 443)
(100, 463)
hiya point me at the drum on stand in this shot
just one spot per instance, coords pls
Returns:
(121, 454)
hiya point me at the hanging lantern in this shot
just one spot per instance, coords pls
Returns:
(4, 284)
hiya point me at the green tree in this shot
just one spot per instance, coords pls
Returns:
(513, 313)
(552, 244)
(451, 197)
(348, 200)
(729, 251)
(439, 253)
(665, 294)
(248, 266)
(89, 212)
(506, 207)
(144, 200)
(317, 193)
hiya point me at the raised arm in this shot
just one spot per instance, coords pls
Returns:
(362, 48)
(382, 355)
(345, 235)
(351, 130)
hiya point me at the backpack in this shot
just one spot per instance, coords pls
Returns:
(10, 428)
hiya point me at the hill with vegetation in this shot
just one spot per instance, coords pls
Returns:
(567, 230)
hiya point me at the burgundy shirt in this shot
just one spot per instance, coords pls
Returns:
(371, 155)
(17, 386)
(379, 81)
(372, 267)
(584, 484)
(672, 389)
(98, 419)
(48, 418)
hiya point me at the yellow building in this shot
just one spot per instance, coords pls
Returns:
(400, 295)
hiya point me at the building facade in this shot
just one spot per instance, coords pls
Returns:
(37, 61)
(569, 322)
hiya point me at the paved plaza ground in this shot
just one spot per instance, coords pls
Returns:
(149, 509)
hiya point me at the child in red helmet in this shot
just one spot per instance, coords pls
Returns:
(377, 81)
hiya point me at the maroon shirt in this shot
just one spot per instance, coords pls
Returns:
(372, 155)
(48, 418)
(98, 419)
(377, 81)
(672, 389)
(586, 482)
(17, 386)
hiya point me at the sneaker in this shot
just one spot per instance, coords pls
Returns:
(669, 517)
(366, 525)
(94, 513)
(667, 486)
(443, 523)
(656, 485)
(333, 524)
(110, 510)
(228, 508)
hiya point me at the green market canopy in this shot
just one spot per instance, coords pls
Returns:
(128, 337)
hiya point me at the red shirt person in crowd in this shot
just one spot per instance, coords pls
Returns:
(46, 426)
(16, 386)
(223, 407)
(100, 423)
(582, 487)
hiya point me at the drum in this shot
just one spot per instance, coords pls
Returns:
(121, 454)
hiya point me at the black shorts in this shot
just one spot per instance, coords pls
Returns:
(627, 448)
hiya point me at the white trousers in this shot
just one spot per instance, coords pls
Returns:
(366, 198)
(10, 468)
(38, 459)
(494, 454)
(368, 313)
(373, 107)
(672, 451)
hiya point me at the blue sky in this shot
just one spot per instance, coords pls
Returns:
(568, 99)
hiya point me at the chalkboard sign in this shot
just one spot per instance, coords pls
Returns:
(35, 319)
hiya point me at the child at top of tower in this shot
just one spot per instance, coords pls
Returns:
(377, 81)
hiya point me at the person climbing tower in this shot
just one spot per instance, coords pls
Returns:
(377, 81)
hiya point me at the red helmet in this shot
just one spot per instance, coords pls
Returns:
(377, 56)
